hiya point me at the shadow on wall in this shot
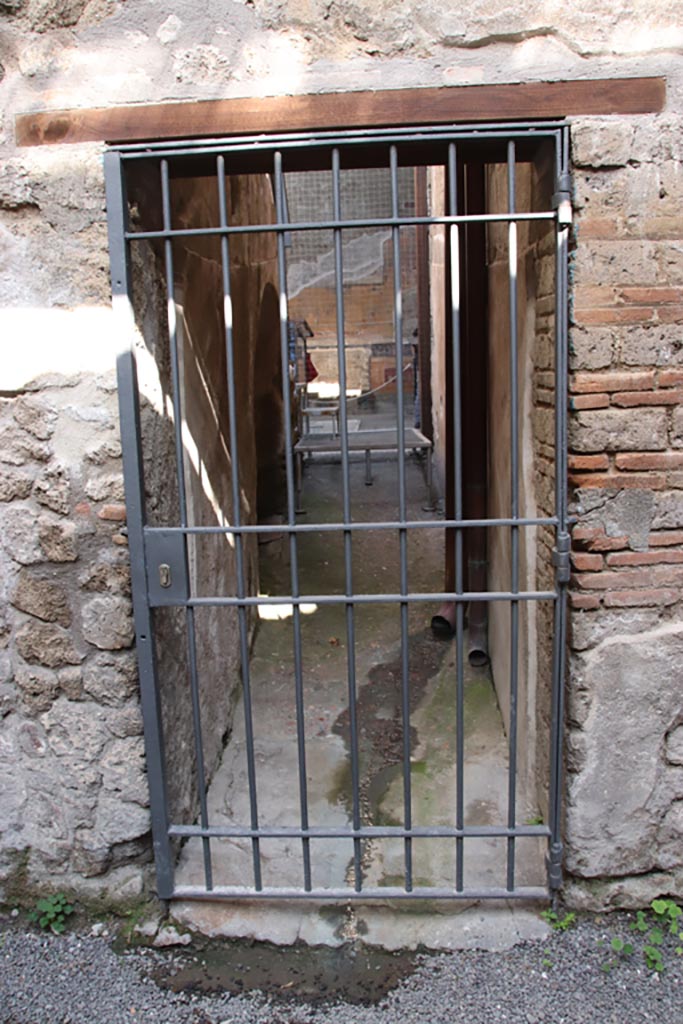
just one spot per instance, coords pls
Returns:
(206, 444)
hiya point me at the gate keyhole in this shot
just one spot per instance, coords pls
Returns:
(165, 575)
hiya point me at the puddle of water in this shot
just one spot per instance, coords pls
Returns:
(317, 974)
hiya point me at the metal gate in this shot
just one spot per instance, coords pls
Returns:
(159, 555)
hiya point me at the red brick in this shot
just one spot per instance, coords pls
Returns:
(589, 401)
(660, 557)
(605, 543)
(619, 481)
(665, 538)
(583, 562)
(671, 315)
(588, 462)
(665, 575)
(640, 598)
(670, 378)
(620, 315)
(589, 295)
(82, 508)
(116, 513)
(586, 533)
(610, 381)
(585, 601)
(630, 398)
(651, 295)
(649, 460)
(600, 227)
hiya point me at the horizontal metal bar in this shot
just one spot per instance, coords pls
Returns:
(308, 140)
(438, 597)
(392, 524)
(285, 227)
(221, 892)
(364, 832)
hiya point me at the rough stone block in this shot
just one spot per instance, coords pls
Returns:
(615, 803)
(71, 682)
(669, 847)
(618, 430)
(53, 489)
(119, 822)
(102, 451)
(127, 721)
(677, 428)
(657, 345)
(627, 513)
(591, 349)
(15, 484)
(35, 416)
(45, 643)
(124, 771)
(108, 487)
(41, 598)
(58, 540)
(38, 686)
(17, 446)
(674, 746)
(615, 262)
(76, 731)
(107, 622)
(590, 630)
(668, 511)
(111, 678)
(106, 578)
(18, 534)
(602, 142)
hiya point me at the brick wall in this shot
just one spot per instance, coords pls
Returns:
(626, 471)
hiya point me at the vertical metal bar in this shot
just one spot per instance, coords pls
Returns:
(514, 513)
(454, 249)
(346, 511)
(237, 520)
(133, 473)
(402, 533)
(562, 540)
(281, 214)
(182, 502)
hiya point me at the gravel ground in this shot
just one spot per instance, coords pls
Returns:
(79, 979)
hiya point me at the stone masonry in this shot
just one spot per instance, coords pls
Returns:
(73, 792)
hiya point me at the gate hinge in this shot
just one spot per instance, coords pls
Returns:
(553, 863)
(562, 200)
(561, 559)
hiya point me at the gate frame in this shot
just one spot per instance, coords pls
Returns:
(142, 538)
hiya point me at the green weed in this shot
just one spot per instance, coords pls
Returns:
(51, 913)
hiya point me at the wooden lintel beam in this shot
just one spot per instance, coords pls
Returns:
(466, 103)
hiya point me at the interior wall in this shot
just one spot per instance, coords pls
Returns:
(206, 446)
(535, 305)
(436, 179)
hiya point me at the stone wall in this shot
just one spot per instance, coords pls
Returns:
(625, 782)
(72, 790)
(74, 798)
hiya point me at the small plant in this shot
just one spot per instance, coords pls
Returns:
(622, 949)
(51, 913)
(557, 923)
(663, 920)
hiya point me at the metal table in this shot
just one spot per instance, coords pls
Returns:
(368, 441)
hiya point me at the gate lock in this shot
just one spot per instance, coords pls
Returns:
(166, 557)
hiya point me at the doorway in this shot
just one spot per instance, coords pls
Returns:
(344, 425)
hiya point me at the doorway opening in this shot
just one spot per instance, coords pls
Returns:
(343, 415)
